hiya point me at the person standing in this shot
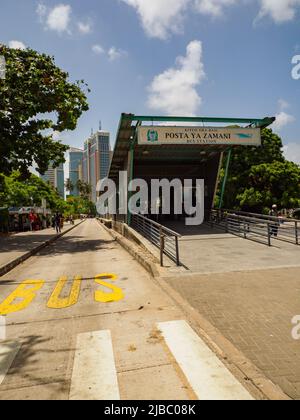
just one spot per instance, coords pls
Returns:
(57, 223)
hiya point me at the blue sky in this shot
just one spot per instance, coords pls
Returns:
(236, 57)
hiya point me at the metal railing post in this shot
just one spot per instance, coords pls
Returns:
(177, 251)
(296, 233)
(269, 234)
(162, 246)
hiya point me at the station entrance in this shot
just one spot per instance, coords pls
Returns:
(181, 148)
(168, 148)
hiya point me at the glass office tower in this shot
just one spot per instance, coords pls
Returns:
(96, 160)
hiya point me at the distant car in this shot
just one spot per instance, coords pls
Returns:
(296, 214)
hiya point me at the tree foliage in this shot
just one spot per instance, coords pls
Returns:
(36, 99)
(84, 188)
(16, 192)
(260, 177)
(69, 185)
(80, 205)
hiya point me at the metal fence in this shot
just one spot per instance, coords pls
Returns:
(288, 228)
(257, 227)
(163, 238)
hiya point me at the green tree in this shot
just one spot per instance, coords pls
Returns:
(80, 205)
(17, 192)
(36, 100)
(275, 183)
(260, 177)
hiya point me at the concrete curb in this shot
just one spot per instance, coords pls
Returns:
(13, 264)
(134, 250)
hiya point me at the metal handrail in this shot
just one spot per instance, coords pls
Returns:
(268, 227)
(160, 236)
(263, 216)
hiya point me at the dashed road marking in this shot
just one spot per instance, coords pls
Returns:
(207, 375)
(94, 373)
(8, 352)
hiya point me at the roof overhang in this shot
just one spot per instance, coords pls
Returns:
(127, 137)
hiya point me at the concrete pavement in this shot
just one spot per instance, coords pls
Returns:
(16, 248)
(85, 289)
(205, 250)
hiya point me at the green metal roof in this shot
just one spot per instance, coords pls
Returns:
(127, 131)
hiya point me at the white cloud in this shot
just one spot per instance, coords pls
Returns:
(282, 119)
(84, 27)
(279, 10)
(56, 19)
(41, 10)
(56, 135)
(175, 91)
(112, 54)
(115, 53)
(213, 8)
(97, 49)
(292, 152)
(160, 18)
(17, 45)
(59, 18)
(283, 104)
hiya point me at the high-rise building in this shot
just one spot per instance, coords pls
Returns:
(75, 169)
(56, 178)
(96, 160)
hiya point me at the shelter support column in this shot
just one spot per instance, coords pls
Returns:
(225, 178)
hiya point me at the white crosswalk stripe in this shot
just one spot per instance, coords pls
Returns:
(94, 372)
(207, 375)
(8, 352)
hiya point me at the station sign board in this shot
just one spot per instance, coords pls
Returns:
(162, 135)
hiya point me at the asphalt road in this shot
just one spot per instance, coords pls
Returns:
(84, 325)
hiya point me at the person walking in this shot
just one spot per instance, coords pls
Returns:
(31, 220)
(274, 227)
(57, 223)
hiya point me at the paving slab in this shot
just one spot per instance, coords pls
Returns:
(254, 311)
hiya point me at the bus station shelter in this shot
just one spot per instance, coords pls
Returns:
(158, 147)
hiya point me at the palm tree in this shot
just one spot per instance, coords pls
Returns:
(84, 188)
(88, 189)
(69, 185)
(79, 186)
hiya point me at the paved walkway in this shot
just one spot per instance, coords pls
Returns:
(206, 250)
(254, 310)
(15, 246)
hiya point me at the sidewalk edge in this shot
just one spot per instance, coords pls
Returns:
(134, 250)
(13, 264)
